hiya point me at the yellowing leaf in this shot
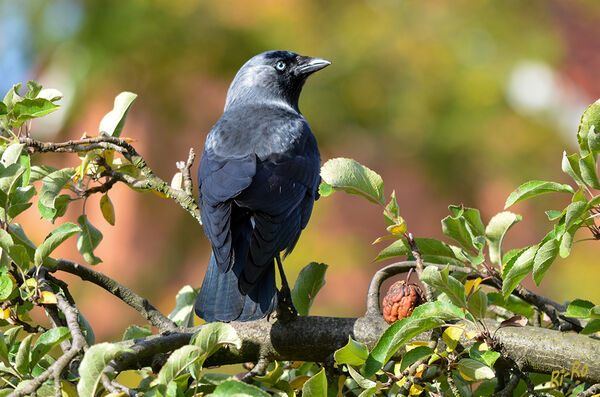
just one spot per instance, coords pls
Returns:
(451, 336)
(401, 382)
(48, 298)
(415, 390)
(399, 228)
(483, 347)
(412, 345)
(420, 369)
(471, 285)
(108, 210)
(471, 334)
(159, 194)
(465, 376)
(299, 381)
(5, 314)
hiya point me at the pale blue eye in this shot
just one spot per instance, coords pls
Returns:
(280, 65)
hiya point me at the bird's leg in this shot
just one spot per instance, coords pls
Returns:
(285, 306)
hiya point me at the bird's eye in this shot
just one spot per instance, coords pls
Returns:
(280, 65)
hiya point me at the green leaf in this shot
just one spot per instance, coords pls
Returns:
(23, 353)
(544, 257)
(554, 215)
(53, 240)
(350, 176)
(456, 229)
(309, 282)
(589, 173)
(475, 370)
(392, 208)
(34, 89)
(88, 240)
(360, 380)
(212, 336)
(512, 303)
(92, 366)
(178, 362)
(521, 268)
(11, 154)
(108, 210)
(316, 386)
(135, 332)
(474, 222)
(477, 304)
(9, 177)
(442, 281)
(487, 357)
(591, 327)
(590, 122)
(425, 317)
(429, 247)
(12, 97)
(579, 308)
(28, 109)
(50, 94)
(3, 348)
(566, 241)
(6, 286)
(183, 314)
(38, 172)
(570, 166)
(414, 355)
(112, 123)
(495, 232)
(354, 353)
(574, 211)
(46, 342)
(52, 184)
(3, 109)
(236, 388)
(535, 188)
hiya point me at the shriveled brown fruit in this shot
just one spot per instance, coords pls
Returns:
(400, 301)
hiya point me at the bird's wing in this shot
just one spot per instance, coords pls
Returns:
(220, 180)
(281, 197)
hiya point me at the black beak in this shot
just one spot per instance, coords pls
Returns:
(308, 65)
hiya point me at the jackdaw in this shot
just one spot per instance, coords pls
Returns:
(258, 180)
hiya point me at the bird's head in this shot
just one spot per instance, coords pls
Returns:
(273, 76)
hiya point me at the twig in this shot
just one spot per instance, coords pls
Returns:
(507, 391)
(105, 142)
(259, 369)
(185, 168)
(593, 390)
(148, 311)
(417, 254)
(78, 345)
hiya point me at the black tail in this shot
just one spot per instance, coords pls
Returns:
(220, 298)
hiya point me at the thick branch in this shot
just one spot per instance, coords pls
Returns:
(150, 313)
(316, 338)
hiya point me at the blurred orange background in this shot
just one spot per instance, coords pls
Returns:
(451, 102)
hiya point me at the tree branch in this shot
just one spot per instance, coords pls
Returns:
(148, 311)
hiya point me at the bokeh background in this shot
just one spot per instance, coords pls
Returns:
(450, 101)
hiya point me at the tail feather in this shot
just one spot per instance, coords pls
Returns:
(220, 298)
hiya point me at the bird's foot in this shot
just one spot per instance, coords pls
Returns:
(286, 311)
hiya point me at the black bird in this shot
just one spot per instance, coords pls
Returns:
(258, 180)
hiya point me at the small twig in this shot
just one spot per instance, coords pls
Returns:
(507, 391)
(185, 169)
(417, 254)
(150, 313)
(105, 142)
(259, 369)
(593, 390)
(79, 344)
